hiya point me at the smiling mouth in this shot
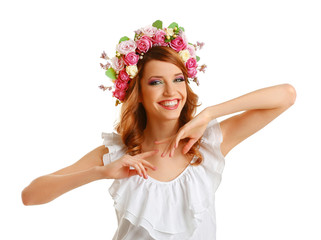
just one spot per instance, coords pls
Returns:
(170, 105)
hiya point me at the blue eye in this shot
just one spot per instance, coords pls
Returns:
(155, 82)
(181, 79)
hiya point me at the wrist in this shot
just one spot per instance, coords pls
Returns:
(100, 172)
(104, 172)
(208, 114)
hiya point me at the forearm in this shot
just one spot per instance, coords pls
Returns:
(265, 98)
(46, 188)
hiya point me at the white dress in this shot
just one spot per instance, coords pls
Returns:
(183, 208)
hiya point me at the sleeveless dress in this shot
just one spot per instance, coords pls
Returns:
(183, 208)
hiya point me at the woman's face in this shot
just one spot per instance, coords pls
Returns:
(163, 90)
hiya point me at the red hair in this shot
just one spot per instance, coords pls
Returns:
(133, 117)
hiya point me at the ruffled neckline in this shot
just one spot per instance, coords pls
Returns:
(187, 169)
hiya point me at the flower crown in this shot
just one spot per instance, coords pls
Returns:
(123, 67)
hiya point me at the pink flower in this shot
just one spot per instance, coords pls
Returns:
(183, 35)
(123, 76)
(125, 47)
(121, 85)
(144, 44)
(117, 63)
(159, 38)
(191, 63)
(191, 50)
(191, 66)
(131, 58)
(191, 72)
(149, 30)
(119, 94)
(178, 44)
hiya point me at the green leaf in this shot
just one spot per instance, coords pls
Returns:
(111, 73)
(173, 25)
(158, 24)
(125, 38)
(197, 58)
(182, 29)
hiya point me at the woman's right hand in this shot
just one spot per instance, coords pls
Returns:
(120, 168)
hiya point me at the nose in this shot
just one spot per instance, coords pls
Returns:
(169, 89)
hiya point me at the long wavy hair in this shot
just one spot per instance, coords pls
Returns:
(133, 117)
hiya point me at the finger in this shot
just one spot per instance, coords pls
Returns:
(143, 170)
(163, 140)
(166, 151)
(179, 137)
(188, 145)
(172, 150)
(148, 164)
(138, 169)
(132, 172)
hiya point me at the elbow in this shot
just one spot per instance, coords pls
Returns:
(289, 95)
(30, 197)
(25, 197)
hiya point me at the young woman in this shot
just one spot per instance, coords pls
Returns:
(166, 162)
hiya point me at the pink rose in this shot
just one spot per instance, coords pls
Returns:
(131, 59)
(117, 63)
(149, 30)
(119, 94)
(144, 44)
(178, 44)
(191, 63)
(123, 76)
(125, 47)
(191, 50)
(121, 85)
(191, 66)
(191, 72)
(159, 38)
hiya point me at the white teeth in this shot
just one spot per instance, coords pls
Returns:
(170, 103)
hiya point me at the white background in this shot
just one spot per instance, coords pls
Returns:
(53, 113)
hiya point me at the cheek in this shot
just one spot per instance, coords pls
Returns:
(148, 95)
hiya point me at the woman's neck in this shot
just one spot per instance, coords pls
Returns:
(159, 130)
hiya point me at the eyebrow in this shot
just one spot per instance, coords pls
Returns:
(177, 74)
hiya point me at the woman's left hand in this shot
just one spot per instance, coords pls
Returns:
(193, 130)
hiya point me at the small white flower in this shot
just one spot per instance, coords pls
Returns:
(185, 55)
(131, 70)
(169, 31)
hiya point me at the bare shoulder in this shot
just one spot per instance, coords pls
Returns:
(89, 160)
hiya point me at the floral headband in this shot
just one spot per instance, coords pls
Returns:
(123, 67)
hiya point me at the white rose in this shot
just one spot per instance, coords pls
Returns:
(131, 70)
(125, 47)
(185, 55)
(149, 30)
(169, 31)
(117, 63)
